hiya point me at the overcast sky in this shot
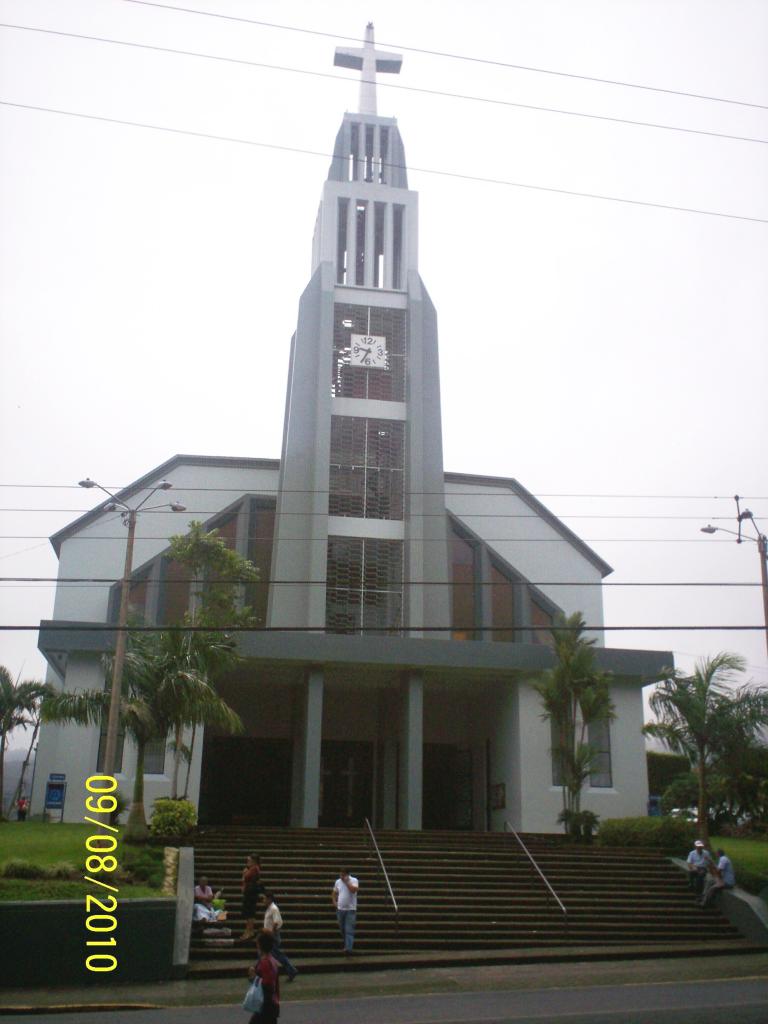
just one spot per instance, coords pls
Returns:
(609, 355)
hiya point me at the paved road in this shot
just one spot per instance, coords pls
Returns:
(711, 1002)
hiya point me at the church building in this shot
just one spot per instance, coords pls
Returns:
(401, 609)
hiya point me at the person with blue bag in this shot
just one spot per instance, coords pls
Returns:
(262, 1000)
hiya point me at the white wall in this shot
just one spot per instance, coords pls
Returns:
(86, 555)
(542, 802)
(531, 545)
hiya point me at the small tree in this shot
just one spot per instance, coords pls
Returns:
(159, 687)
(219, 575)
(701, 715)
(19, 708)
(575, 695)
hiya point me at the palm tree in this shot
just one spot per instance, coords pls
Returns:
(18, 707)
(160, 688)
(574, 694)
(700, 713)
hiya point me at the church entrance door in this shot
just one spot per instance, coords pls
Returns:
(346, 783)
(245, 781)
(447, 787)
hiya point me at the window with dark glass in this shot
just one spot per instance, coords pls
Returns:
(261, 530)
(364, 589)
(464, 580)
(175, 589)
(555, 751)
(138, 598)
(154, 757)
(599, 739)
(542, 618)
(386, 384)
(366, 472)
(502, 606)
(103, 747)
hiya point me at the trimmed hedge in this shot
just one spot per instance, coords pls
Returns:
(173, 818)
(655, 833)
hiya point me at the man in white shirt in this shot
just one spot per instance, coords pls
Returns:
(273, 923)
(698, 864)
(345, 900)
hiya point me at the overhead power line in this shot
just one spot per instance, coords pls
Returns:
(421, 540)
(386, 84)
(350, 494)
(498, 492)
(422, 170)
(136, 581)
(455, 56)
(385, 630)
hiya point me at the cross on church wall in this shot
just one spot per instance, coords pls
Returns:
(368, 60)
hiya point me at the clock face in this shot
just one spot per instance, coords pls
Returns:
(368, 350)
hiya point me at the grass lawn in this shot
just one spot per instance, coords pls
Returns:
(46, 844)
(748, 855)
(55, 889)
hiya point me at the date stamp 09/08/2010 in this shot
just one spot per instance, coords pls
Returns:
(100, 910)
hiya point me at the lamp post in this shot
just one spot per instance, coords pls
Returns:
(129, 516)
(762, 549)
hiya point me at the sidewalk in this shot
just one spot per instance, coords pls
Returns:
(230, 991)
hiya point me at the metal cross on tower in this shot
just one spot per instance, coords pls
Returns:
(368, 60)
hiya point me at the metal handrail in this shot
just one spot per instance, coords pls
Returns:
(543, 877)
(381, 865)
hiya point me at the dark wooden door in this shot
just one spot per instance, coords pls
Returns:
(245, 781)
(346, 783)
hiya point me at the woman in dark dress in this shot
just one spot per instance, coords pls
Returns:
(266, 968)
(252, 890)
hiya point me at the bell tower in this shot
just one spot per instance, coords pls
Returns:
(360, 541)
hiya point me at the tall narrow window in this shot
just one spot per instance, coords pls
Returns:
(354, 149)
(464, 580)
(398, 220)
(154, 756)
(360, 210)
(599, 738)
(369, 152)
(378, 244)
(556, 751)
(341, 241)
(174, 592)
(261, 529)
(502, 606)
(543, 619)
(103, 747)
(384, 151)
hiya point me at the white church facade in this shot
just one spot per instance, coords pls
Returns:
(406, 608)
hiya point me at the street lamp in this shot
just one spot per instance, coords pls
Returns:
(129, 516)
(762, 549)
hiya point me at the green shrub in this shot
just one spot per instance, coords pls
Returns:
(63, 870)
(22, 869)
(173, 818)
(142, 863)
(657, 833)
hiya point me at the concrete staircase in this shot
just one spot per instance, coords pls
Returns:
(462, 896)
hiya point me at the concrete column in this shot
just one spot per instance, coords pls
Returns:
(370, 222)
(351, 240)
(389, 251)
(305, 806)
(389, 784)
(411, 752)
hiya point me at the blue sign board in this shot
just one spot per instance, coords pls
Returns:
(54, 795)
